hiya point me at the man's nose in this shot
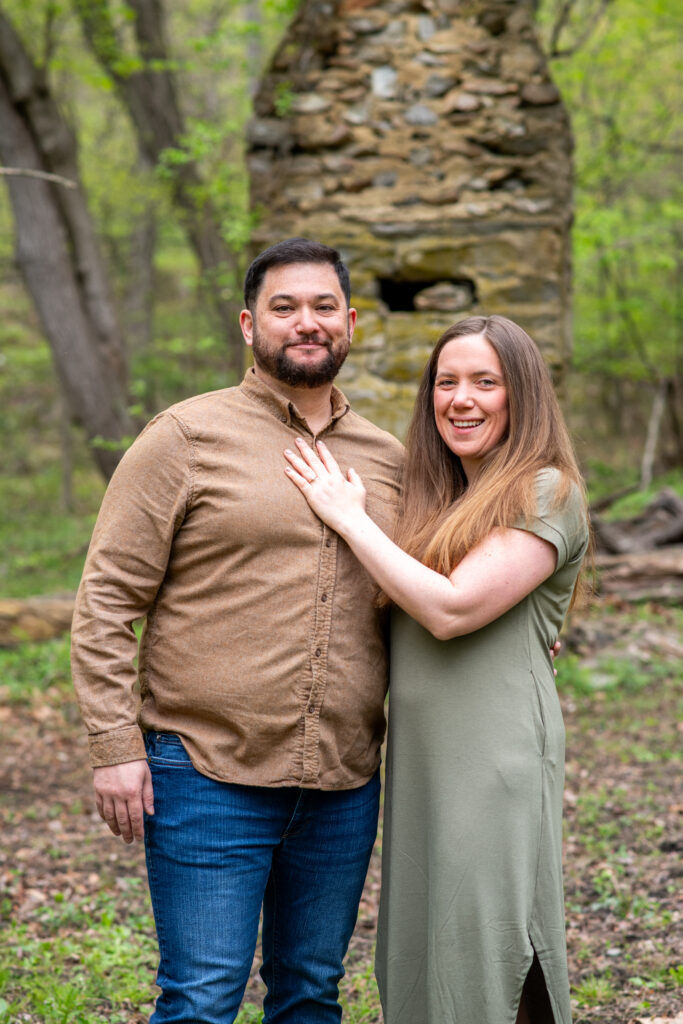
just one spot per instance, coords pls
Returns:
(306, 322)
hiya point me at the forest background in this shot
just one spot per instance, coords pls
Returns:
(617, 64)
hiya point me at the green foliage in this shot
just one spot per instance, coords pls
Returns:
(77, 962)
(605, 479)
(34, 668)
(216, 53)
(572, 677)
(634, 504)
(249, 1014)
(359, 996)
(675, 975)
(284, 98)
(610, 674)
(621, 85)
(614, 894)
(43, 546)
(595, 990)
(44, 552)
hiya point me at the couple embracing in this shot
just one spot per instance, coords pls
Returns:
(283, 551)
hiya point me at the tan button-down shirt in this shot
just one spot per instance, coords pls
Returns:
(263, 648)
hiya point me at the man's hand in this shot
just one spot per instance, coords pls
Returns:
(122, 793)
(554, 651)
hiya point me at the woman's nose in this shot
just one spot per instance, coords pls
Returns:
(461, 396)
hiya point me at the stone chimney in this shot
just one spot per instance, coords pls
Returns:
(426, 141)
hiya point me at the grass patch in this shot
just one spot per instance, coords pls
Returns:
(42, 548)
(604, 479)
(611, 675)
(77, 961)
(595, 990)
(634, 504)
(573, 677)
(93, 961)
(249, 1014)
(358, 994)
(34, 668)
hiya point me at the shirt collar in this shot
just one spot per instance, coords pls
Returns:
(281, 407)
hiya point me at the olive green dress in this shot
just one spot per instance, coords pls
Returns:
(472, 847)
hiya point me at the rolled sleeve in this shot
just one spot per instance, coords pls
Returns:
(563, 525)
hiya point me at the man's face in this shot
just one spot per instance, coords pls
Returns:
(301, 328)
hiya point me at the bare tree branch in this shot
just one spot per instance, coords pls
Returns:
(27, 172)
(562, 21)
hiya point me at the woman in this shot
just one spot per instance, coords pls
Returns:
(487, 555)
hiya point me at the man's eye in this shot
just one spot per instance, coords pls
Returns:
(282, 309)
(326, 309)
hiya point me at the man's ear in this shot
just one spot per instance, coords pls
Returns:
(353, 316)
(247, 325)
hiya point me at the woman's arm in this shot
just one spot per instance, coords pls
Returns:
(491, 579)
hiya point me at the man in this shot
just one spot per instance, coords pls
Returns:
(252, 751)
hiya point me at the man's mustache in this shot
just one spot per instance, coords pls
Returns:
(312, 340)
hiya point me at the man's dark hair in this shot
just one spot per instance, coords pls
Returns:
(293, 250)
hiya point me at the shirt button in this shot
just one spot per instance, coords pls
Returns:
(318, 652)
(311, 709)
(328, 542)
(323, 597)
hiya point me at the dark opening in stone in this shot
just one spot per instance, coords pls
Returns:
(402, 296)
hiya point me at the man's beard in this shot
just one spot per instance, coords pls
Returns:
(280, 366)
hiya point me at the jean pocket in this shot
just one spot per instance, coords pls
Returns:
(167, 750)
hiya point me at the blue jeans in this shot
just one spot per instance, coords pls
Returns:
(217, 852)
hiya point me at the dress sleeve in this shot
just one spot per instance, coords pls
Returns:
(564, 525)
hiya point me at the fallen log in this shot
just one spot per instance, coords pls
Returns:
(35, 618)
(643, 575)
(660, 523)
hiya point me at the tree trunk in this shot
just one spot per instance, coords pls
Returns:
(253, 16)
(653, 430)
(150, 96)
(58, 255)
(138, 300)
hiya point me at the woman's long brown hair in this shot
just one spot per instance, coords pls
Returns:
(443, 517)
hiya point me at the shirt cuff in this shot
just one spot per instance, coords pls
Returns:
(116, 747)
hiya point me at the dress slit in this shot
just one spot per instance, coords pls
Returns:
(537, 995)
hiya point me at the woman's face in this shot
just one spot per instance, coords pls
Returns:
(470, 400)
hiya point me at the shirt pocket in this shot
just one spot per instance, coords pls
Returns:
(383, 509)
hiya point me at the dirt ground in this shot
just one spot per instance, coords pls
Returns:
(624, 801)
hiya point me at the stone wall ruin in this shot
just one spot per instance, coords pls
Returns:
(427, 142)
